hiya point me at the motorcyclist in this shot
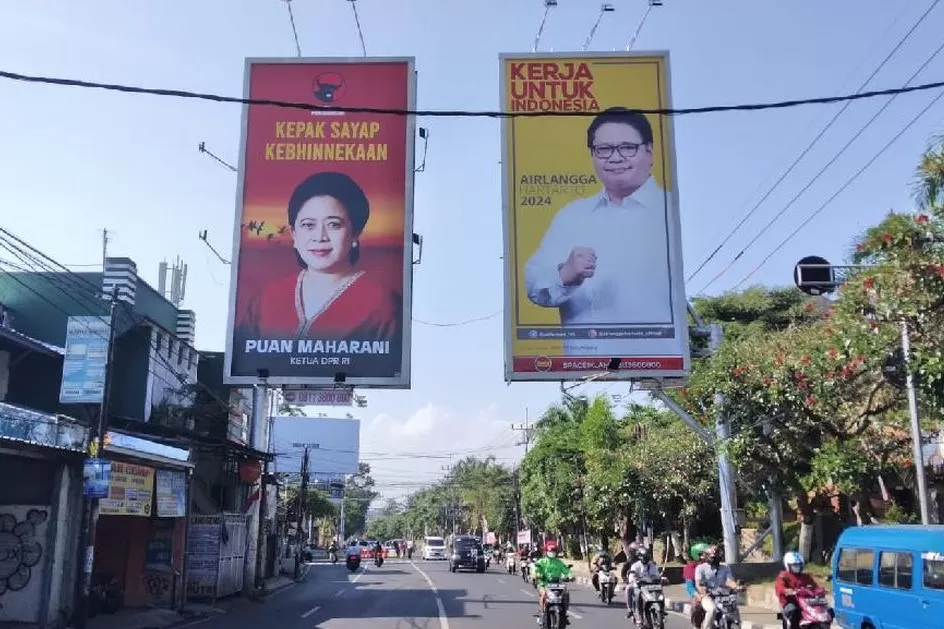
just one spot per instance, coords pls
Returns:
(378, 551)
(601, 561)
(697, 553)
(353, 553)
(535, 553)
(643, 567)
(791, 579)
(709, 575)
(333, 549)
(546, 569)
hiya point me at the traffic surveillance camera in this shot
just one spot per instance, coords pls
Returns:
(655, 3)
(424, 133)
(607, 7)
(550, 3)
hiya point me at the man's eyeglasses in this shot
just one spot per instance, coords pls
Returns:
(605, 151)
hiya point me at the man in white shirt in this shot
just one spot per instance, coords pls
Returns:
(604, 260)
(642, 568)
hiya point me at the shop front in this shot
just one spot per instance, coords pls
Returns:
(142, 526)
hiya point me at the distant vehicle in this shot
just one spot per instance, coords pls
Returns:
(467, 554)
(434, 548)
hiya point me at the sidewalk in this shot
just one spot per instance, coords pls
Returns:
(160, 618)
(676, 600)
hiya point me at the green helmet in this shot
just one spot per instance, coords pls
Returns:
(698, 549)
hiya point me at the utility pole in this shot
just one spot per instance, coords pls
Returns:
(725, 469)
(917, 449)
(302, 500)
(105, 240)
(262, 398)
(526, 432)
(96, 447)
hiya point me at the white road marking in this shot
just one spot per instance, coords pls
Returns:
(338, 593)
(574, 614)
(526, 593)
(443, 618)
(310, 611)
(500, 580)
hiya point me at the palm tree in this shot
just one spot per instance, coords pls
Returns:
(928, 187)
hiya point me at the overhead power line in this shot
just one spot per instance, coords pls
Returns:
(848, 183)
(813, 142)
(820, 173)
(455, 113)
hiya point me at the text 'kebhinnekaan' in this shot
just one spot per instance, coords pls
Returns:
(348, 149)
(313, 346)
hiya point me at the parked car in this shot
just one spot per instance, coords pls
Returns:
(467, 554)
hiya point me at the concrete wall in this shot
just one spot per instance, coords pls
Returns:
(24, 551)
(64, 536)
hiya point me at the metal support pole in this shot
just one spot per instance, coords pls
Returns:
(725, 471)
(776, 523)
(90, 508)
(341, 528)
(261, 398)
(918, 451)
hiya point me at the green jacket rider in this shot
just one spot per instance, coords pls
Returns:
(546, 569)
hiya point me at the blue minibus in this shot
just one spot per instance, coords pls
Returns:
(889, 577)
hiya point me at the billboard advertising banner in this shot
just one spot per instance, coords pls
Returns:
(322, 259)
(593, 263)
(333, 445)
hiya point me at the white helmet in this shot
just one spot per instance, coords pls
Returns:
(793, 561)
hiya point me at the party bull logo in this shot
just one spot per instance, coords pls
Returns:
(328, 87)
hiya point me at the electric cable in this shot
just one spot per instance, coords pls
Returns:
(457, 113)
(848, 183)
(816, 177)
(813, 142)
(88, 290)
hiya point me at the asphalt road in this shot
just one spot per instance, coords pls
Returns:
(418, 595)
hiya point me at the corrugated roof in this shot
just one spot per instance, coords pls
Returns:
(25, 425)
(29, 341)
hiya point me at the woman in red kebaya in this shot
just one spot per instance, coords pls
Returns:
(329, 298)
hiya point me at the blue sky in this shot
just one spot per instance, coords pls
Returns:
(75, 161)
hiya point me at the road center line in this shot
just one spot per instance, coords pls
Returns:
(443, 618)
(310, 611)
(526, 593)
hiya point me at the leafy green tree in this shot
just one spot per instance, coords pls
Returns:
(358, 494)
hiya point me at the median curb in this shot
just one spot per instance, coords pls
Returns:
(684, 607)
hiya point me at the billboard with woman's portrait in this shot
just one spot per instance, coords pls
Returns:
(322, 265)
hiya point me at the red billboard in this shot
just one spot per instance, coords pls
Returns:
(321, 276)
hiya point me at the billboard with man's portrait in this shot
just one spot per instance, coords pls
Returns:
(594, 281)
(322, 263)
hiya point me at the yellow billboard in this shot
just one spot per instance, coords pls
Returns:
(130, 490)
(593, 264)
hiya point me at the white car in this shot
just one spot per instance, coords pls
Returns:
(434, 548)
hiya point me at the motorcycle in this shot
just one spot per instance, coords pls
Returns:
(555, 606)
(607, 582)
(524, 570)
(378, 559)
(353, 563)
(727, 615)
(510, 562)
(652, 602)
(815, 612)
(333, 556)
